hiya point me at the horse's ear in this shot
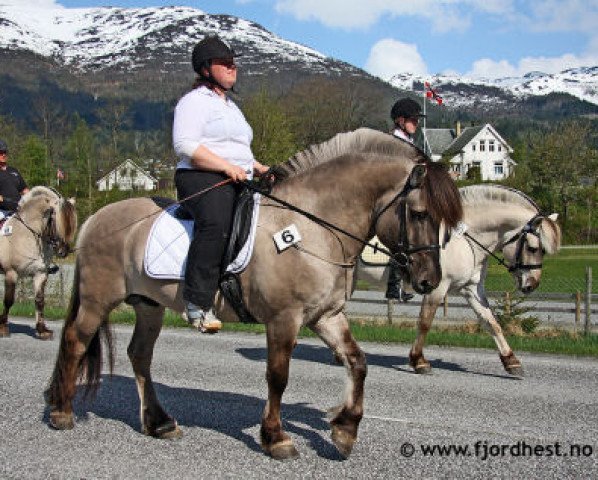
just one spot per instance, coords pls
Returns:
(72, 200)
(416, 178)
(553, 216)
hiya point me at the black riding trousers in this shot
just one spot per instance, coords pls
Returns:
(213, 213)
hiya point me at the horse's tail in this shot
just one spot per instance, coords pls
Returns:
(89, 367)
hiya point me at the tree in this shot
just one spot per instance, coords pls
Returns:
(273, 139)
(80, 154)
(33, 162)
(553, 165)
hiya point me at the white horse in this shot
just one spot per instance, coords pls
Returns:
(496, 219)
(43, 226)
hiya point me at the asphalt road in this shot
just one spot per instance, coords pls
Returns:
(215, 387)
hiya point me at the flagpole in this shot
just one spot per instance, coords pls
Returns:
(424, 129)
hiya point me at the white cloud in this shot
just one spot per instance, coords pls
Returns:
(389, 57)
(487, 68)
(358, 14)
(45, 4)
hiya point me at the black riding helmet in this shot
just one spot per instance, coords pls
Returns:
(407, 108)
(208, 49)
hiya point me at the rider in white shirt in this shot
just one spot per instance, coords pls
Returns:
(213, 141)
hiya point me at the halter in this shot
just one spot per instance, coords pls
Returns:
(520, 238)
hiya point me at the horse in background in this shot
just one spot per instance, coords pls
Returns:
(364, 182)
(496, 219)
(43, 226)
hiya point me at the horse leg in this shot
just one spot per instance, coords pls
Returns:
(479, 303)
(80, 328)
(426, 315)
(154, 420)
(39, 284)
(334, 331)
(10, 282)
(281, 337)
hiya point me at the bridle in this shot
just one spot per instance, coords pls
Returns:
(404, 250)
(521, 239)
(48, 234)
(402, 256)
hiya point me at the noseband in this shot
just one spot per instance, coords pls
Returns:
(521, 239)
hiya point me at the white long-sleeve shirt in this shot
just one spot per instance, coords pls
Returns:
(402, 135)
(202, 117)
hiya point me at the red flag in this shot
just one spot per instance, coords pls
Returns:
(431, 93)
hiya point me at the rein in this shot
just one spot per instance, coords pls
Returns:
(520, 239)
(404, 250)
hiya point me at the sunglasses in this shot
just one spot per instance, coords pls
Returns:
(224, 62)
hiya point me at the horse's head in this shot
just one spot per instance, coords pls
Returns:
(524, 249)
(56, 215)
(410, 222)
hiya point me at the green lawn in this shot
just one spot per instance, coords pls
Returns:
(564, 272)
(559, 343)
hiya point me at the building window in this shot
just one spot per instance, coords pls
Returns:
(499, 147)
(499, 169)
(457, 168)
(490, 145)
(477, 164)
(482, 145)
(473, 147)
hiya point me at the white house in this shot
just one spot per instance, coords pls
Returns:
(127, 176)
(480, 146)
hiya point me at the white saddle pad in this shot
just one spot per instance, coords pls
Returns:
(169, 240)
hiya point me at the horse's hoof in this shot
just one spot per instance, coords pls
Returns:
(423, 369)
(516, 371)
(62, 421)
(512, 364)
(44, 333)
(170, 430)
(343, 441)
(4, 331)
(284, 450)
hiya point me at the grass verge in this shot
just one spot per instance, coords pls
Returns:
(552, 341)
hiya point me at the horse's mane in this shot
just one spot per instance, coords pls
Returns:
(36, 192)
(362, 140)
(490, 193)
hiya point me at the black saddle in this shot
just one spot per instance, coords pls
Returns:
(230, 285)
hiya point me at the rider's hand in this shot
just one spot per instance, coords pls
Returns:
(235, 172)
(1, 198)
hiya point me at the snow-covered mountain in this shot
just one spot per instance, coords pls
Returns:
(143, 54)
(101, 38)
(457, 91)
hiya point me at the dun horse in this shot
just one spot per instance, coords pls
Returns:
(356, 181)
(43, 226)
(498, 219)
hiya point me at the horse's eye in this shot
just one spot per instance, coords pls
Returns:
(419, 215)
(532, 249)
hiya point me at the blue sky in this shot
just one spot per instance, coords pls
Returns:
(489, 38)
